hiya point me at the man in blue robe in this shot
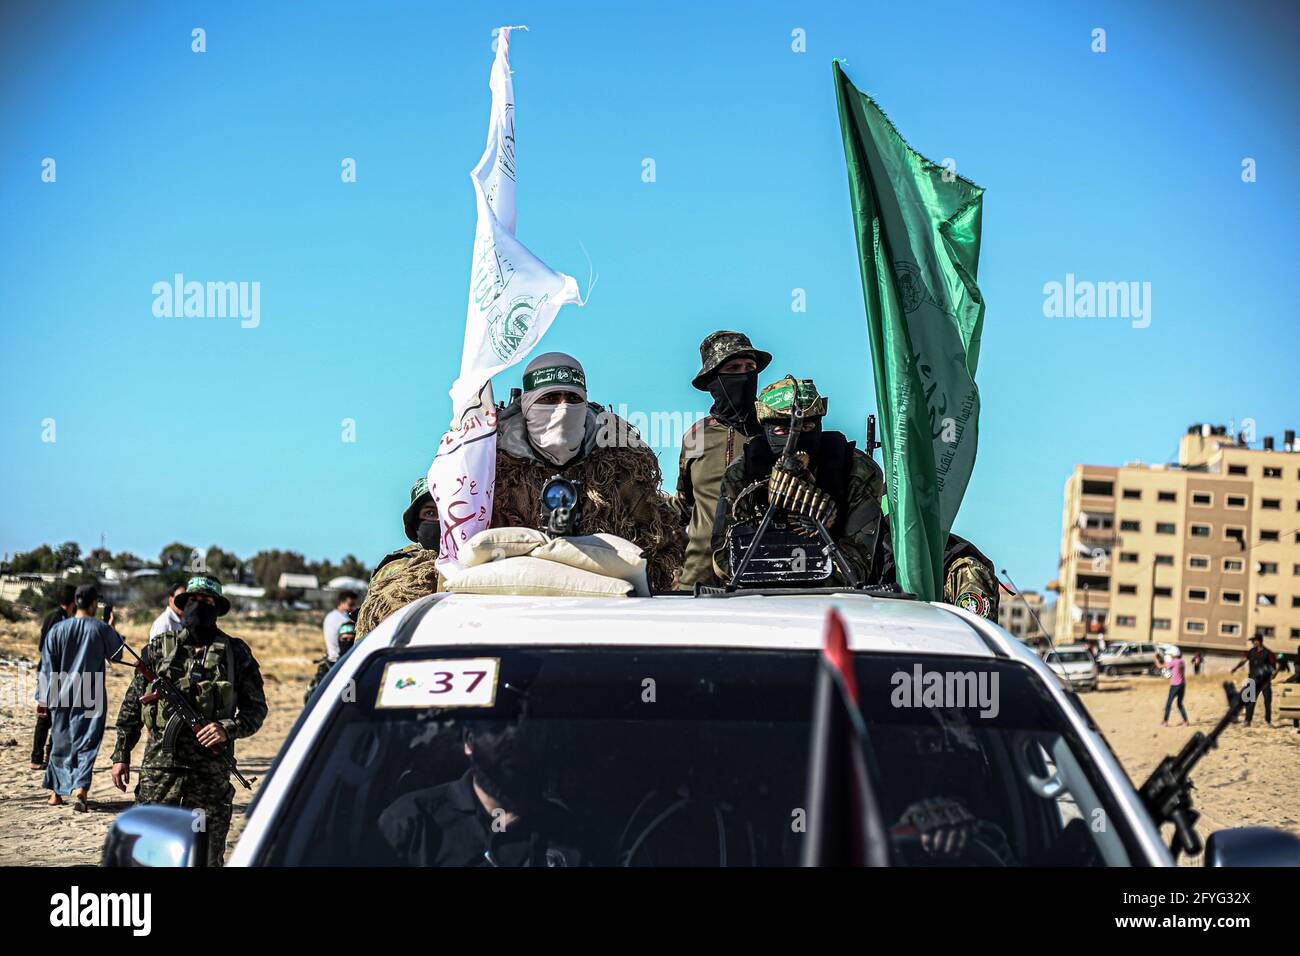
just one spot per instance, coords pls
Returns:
(71, 686)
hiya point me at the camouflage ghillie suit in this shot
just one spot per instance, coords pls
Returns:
(854, 482)
(620, 480)
(229, 690)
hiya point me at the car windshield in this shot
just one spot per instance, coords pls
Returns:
(1072, 656)
(666, 757)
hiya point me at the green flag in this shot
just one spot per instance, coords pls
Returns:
(918, 232)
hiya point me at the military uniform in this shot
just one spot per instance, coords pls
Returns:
(848, 474)
(849, 485)
(223, 680)
(347, 634)
(708, 450)
(711, 445)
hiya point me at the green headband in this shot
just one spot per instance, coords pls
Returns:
(554, 375)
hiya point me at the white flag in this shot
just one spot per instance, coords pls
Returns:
(513, 298)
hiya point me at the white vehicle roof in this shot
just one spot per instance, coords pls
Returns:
(791, 622)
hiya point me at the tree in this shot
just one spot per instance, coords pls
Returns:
(224, 565)
(67, 555)
(37, 561)
(269, 565)
(176, 557)
(99, 558)
(352, 567)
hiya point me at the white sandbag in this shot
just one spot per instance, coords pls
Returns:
(493, 544)
(527, 575)
(605, 554)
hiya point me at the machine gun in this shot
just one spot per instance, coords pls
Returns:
(184, 714)
(1167, 793)
(789, 464)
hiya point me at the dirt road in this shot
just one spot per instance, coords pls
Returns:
(1253, 778)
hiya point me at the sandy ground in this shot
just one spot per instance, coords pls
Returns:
(33, 834)
(1253, 778)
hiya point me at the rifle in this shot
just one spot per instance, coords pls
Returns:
(1167, 793)
(184, 714)
(788, 463)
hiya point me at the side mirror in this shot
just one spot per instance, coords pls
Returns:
(1252, 846)
(156, 836)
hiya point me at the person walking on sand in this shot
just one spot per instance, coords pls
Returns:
(70, 684)
(1177, 684)
(41, 735)
(1262, 665)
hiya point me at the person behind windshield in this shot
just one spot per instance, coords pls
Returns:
(495, 814)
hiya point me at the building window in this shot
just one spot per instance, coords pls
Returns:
(1230, 597)
(1093, 582)
(1198, 562)
(1164, 592)
(1160, 624)
(1125, 620)
(1235, 501)
(1164, 527)
(1234, 533)
(1295, 633)
(1295, 569)
(1131, 557)
(1268, 567)
(1166, 496)
(1203, 499)
(1194, 626)
(1236, 469)
(1295, 600)
(1130, 525)
(1133, 494)
(1099, 522)
(1266, 600)
(1271, 504)
(1234, 565)
(1272, 472)
(1199, 531)
(1166, 559)
(1264, 631)
(1128, 589)
(1106, 489)
(1198, 594)
(1017, 612)
(1270, 536)
(1229, 628)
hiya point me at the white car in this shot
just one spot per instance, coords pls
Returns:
(673, 731)
(1075, 665)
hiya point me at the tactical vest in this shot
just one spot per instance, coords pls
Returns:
(202, 681)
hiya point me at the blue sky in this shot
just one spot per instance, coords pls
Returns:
(225, 166)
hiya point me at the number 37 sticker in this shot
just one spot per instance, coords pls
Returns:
(464, 682)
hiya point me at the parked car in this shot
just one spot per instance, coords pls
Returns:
(1128, 658)
(674, 731)
(1075, 665)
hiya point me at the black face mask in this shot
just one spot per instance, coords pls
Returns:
(429, 534)
(808, 442)
(734, 394)
(200, 618)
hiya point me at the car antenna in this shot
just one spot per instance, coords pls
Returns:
(1034, 614)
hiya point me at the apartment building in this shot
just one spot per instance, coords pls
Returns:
(1018, 617)
(1201, 554)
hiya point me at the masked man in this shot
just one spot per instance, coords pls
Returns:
(830, 479)
(553, 430)
(222, 679)
(347, 633)
(729, 367)
(395, 582)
